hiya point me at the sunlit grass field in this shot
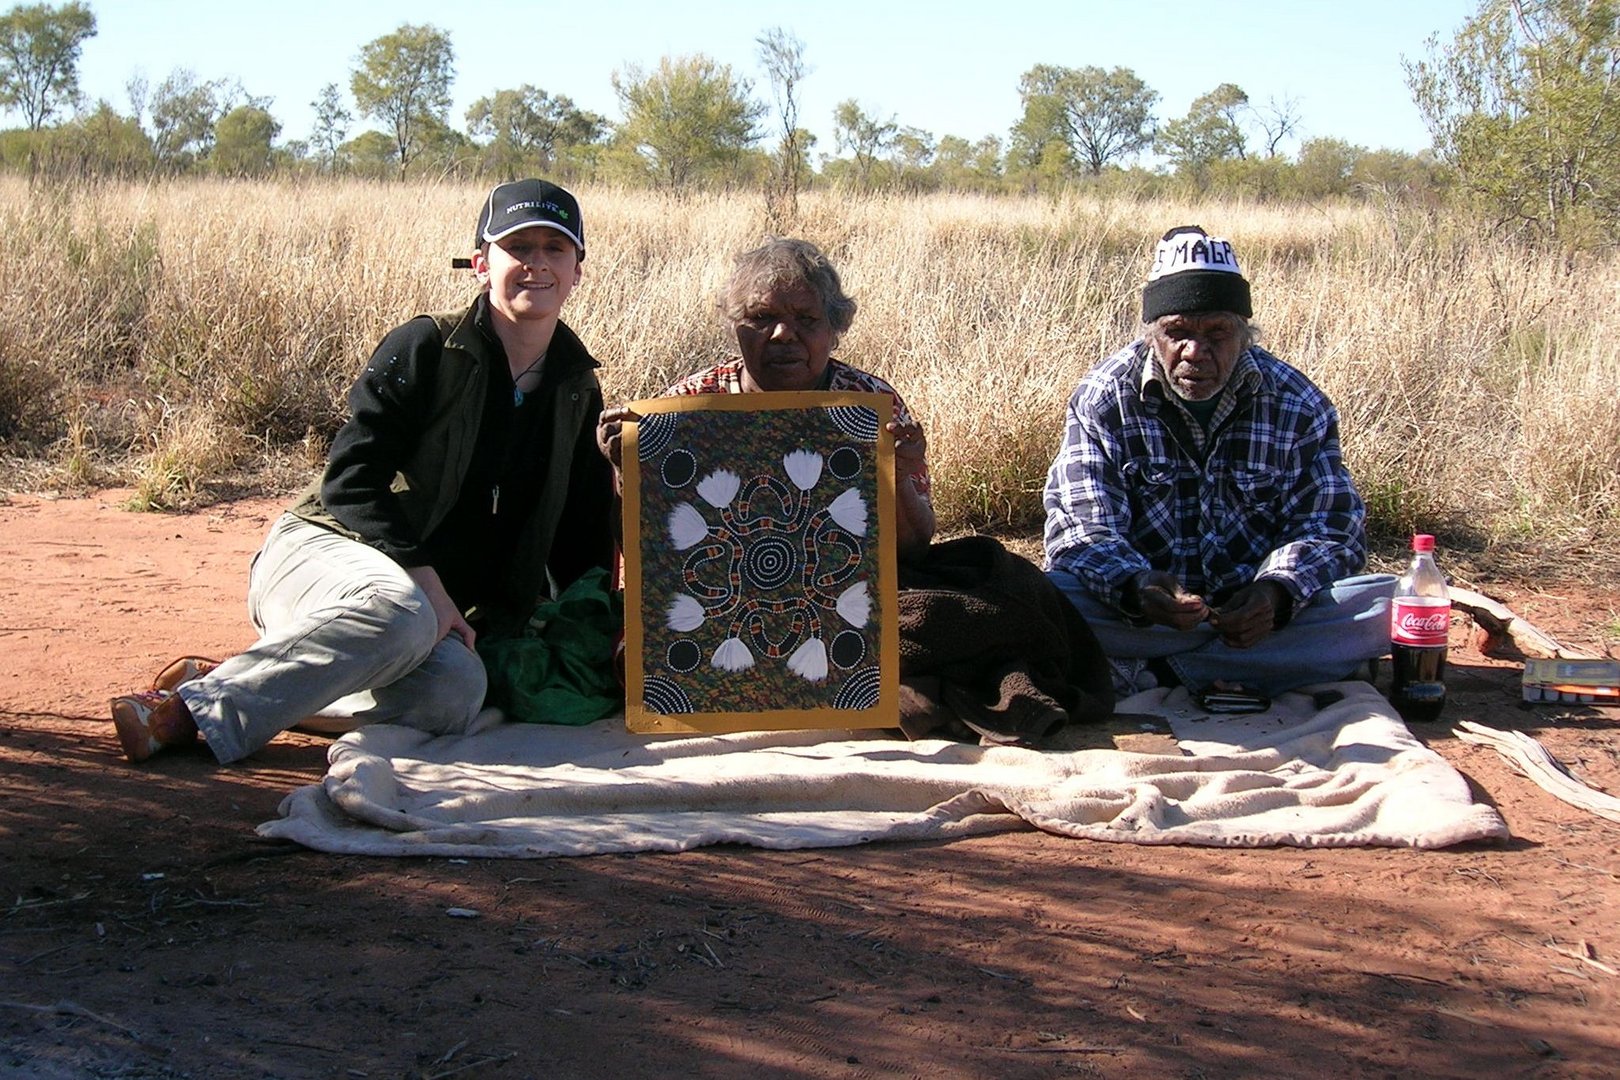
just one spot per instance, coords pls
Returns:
(193, 339)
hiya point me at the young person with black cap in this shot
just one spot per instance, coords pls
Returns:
(464, 488)
(1198, 513)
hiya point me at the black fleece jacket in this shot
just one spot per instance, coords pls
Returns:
(397, 465)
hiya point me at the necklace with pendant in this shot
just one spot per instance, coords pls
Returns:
(517, 391)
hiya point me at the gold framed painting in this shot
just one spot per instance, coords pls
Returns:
(760, 563)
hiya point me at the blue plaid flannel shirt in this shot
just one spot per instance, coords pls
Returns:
(1137, 485)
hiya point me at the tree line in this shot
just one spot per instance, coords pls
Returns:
(1523, 105)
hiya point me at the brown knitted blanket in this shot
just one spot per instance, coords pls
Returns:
(991, 650)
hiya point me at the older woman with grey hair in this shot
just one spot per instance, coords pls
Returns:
(989, 648)
(787, 308)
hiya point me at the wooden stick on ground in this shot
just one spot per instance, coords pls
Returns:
(1505, 634)
(1540, 766)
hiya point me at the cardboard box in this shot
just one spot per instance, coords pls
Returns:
(1592, 682)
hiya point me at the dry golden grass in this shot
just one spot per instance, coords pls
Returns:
(163, 335)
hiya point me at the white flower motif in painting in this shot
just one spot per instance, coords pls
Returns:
(685, 613)
(719, 488)
(849, 510)
(687, 528)
(733, 655)
(855, 605)
(803, 468)
(809, 660)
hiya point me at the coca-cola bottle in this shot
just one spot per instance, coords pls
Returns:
(1419, 625)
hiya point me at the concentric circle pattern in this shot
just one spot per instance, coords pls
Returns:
(665, 696)
(770, 562)
(861, 691)
(856, 421)
(653, 434)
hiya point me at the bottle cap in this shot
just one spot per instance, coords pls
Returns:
(1422, 542)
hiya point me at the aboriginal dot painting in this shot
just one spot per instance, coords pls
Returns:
(759, 563)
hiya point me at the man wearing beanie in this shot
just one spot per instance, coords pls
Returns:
(1198, 513)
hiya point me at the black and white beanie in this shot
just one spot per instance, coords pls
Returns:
(1194, 272)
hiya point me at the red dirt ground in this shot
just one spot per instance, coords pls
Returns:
(145, 931)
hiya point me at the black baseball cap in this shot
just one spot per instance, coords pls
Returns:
(529, 204)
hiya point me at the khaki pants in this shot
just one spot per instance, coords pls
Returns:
(345, 638)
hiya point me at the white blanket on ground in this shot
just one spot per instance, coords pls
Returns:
(1347, 775)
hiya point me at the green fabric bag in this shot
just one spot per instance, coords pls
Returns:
(559, 669)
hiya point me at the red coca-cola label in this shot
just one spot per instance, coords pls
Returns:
(1419, 620)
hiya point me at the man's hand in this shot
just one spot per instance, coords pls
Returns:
(1251, 615)
(1163, 601)
(450, 619)
(610, 433)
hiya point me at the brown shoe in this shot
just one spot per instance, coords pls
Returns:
(149, 721)
(183, 670)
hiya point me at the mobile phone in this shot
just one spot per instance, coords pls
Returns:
(1228, 701)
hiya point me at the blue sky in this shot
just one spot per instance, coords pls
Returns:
(948, 67)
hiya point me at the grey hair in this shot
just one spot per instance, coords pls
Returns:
(1247, 332)
(785, 263)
